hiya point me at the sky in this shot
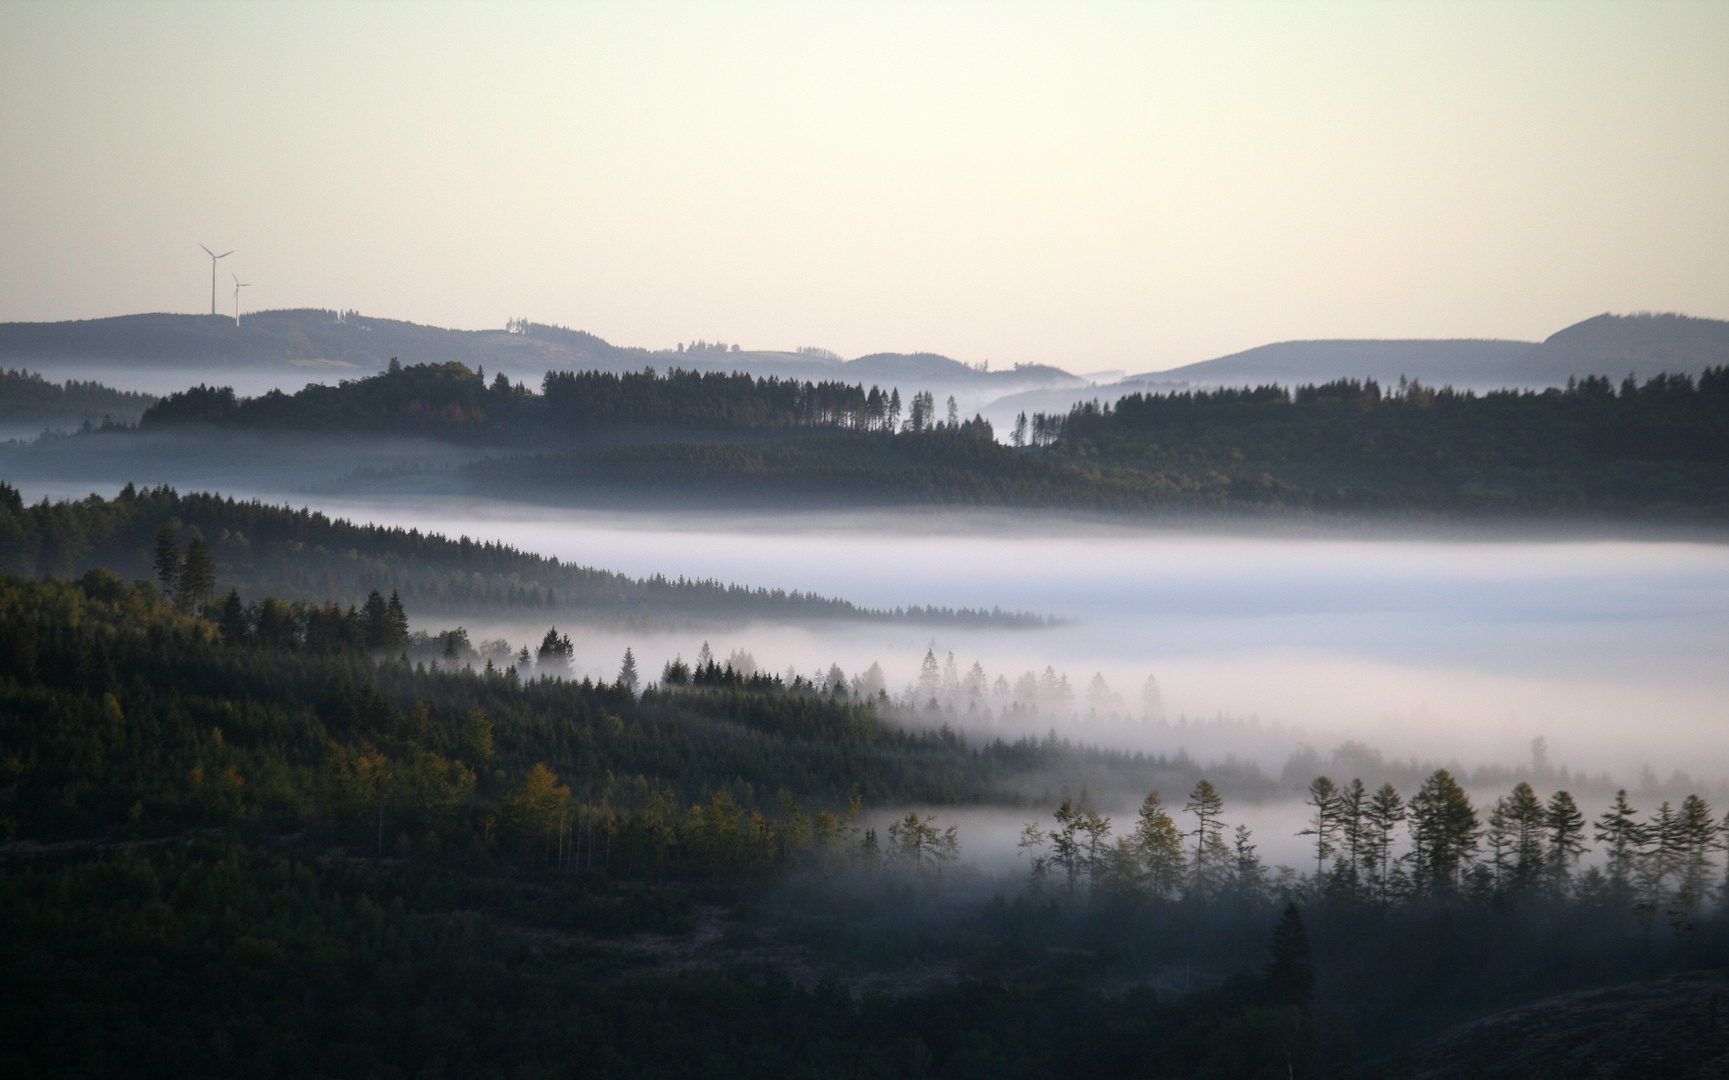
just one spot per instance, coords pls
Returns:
(1097, 186)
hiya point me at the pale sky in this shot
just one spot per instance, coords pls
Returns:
(1091, 185)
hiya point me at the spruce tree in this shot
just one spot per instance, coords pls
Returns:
(1211, 855)
(375, 616)
(1526, 818)
(1621, 830)
(1566, 827)
(1291, 976)
(1324, 797)
(1384, 813)
(167, 558)
(197, 577)
(1444, 831)
(398, 620)
(1159, 847)
(627, 676)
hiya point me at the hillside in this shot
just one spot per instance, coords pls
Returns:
(305, 556)
(350, 342)
(1622, 345)
(27, 400)
(1611, 345)
(1463, 362)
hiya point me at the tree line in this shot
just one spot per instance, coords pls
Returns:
(26, 397)
(1523, 849)
(302, 555)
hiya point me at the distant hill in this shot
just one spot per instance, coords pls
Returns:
(306, 338)
(1469, 362)
(1621, 345)
(29, 400)
(349, 342)
(1612, 345)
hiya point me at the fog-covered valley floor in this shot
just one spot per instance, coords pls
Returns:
(1447, 650)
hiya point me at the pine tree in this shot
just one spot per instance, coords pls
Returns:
(1251, 875)
(1696, 832)
(375, 614)
(1566, 827)
(1621, 830)
(398, 619)
(1211, 855)
(1498, 838)
(1444, 831)
(1159, 847)
(1525, 817)
(1354, 826)
(1291, 976)
(197, 577)
(233, 619)
(1324, 797)
(167, 558)
(1384, 813)
(627, 676)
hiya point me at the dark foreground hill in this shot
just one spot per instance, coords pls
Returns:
(1675, 1028)
(234, 845)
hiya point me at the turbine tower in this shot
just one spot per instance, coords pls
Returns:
(213, 258)
(238, 285)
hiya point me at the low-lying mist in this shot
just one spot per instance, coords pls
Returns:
(1449, 651)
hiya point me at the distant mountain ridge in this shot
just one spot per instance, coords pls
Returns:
(314, 338)
(1640, 345)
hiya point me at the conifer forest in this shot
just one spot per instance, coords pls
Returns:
(860, 541)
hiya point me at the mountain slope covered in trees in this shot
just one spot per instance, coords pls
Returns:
(304, 555)
(234, 852)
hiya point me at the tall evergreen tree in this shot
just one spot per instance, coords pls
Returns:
(167, 558)
(1621, 830)
(1696, 831)
(1208, 869)
(398, 619)
(1291, 976)
(627, 676)
(375, 614)
(1159, 847)
(1525, 816)
(1444, 831)
(197, 577)
(1383, 815)
(1324, 823)
(1566, 827)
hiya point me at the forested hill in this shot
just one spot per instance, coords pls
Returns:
(1656, 451)
(28, 398)
(232, 851)
(454, 402)
(320, 339)
(305, 555)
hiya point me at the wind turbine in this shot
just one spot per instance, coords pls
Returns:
(213, 272)
(238, 285)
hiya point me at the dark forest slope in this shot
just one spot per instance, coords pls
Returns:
(302, 555)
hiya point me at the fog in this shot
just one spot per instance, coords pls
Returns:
(1615, 651)
(1451, 650)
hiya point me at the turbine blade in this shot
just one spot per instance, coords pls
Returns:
(225, 254)
(208, 252)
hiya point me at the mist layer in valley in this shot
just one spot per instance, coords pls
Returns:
(1451, 651)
